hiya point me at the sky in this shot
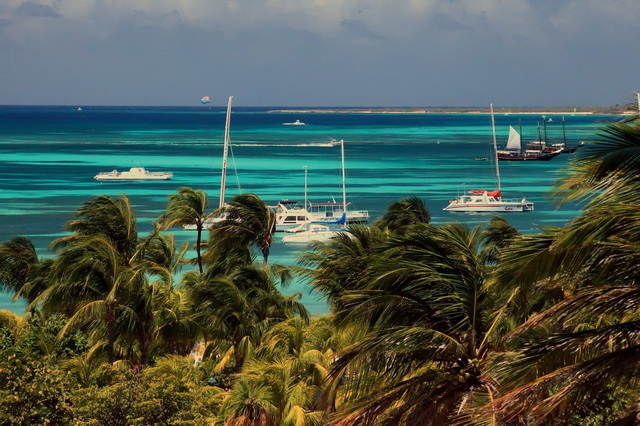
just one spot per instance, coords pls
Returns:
(320, 52)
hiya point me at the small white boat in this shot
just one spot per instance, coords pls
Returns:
(311, 233)
(314, 231)
(295, 123)
(482, 201)
(135, 173)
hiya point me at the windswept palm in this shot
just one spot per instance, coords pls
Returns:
(188, 207)
(248, 221)
(236, 308)
(402, 214)
(432, 329)
(21, 271)
(592, 264)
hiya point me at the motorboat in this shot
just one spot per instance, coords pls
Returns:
(290, 214)
(134, 173)
(295, 123)
(482, 201)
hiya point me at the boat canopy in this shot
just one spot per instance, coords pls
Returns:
(495, 193)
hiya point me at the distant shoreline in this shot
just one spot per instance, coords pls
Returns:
(498, 111)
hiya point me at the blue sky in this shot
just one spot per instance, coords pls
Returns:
(320, 52)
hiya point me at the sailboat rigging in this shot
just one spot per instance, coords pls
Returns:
(322, 230)
(489, 201)
(210, 221)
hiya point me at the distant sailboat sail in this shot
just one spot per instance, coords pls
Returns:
(514, 139)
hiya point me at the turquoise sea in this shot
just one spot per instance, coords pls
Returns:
(49, 155)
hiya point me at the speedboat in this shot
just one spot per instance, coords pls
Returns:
(135, 173)
(295, 123)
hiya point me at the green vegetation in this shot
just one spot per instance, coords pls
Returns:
(428, 325)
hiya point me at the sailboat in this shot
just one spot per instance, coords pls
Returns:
(563, 146)
(489, 201)
(321, 230)
(535, 151)
(209, 222)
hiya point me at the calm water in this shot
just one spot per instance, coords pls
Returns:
(49, 156)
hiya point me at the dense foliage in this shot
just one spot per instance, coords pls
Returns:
(428, 324)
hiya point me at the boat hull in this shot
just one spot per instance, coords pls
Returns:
(120, 179)
(308, 237)
(488, 208)
(135, 173)
(535, 157)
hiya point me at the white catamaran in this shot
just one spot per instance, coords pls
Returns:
(209, 222)
(489, 201)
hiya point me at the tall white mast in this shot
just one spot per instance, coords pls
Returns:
(225, 153)
(344, 187)
(495, 146)
(305, 187)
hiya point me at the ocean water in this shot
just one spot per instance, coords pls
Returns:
(49, 155)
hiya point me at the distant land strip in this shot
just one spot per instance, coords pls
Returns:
(614, 110)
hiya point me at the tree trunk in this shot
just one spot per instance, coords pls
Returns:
(198, 241)
(111, 331)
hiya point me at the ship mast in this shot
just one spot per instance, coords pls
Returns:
(225, 153)
(495, 146)
(344, 187)
(305, 187)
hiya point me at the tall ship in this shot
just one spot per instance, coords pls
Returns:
(535, 151)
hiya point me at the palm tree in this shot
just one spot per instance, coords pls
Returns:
(248, 221)
(100, 279)
(92, 285)
(21, 271)
(187, 207)
(432, 328)
(236, 308)
(249, 405)
(592, 264)
(404, 213)
(342, 264)
(106, 216)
